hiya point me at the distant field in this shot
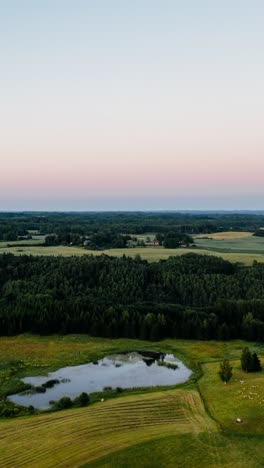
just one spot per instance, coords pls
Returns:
(152, 254)
(246, 244)
(225, 235)
(36, 240)
(237, 247)
(163, 428)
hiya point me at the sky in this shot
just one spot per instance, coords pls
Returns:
(131, 105)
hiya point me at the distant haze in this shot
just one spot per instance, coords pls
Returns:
(144, 104)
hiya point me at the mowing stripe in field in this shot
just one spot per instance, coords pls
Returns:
(74, 437)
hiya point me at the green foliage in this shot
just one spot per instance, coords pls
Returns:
(82, 400)
(192, 296)
(126, 223)
(250, 362)
(63, 403)
(174, 240)
(225, 371)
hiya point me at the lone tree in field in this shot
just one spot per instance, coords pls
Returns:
(225, 371)
(250, 362)
(246, 360)
(256, 363)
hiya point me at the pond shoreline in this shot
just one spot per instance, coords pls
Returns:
(116, 372)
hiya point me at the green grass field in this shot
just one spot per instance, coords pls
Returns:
(152, 254)
(71, 438)
(190, 425)
(237, 247)
(36, 240)
(244, 244)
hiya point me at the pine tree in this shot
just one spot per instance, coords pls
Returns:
(250, 362)
(256, 364)
(225, 371)
(246, 360)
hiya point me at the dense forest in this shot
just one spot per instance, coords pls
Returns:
(190, 296)
(15, 225)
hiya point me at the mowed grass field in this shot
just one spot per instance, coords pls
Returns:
(190, 425)
(71, 438)
(237, 247)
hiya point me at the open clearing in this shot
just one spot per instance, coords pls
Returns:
(225, 235)
(191, 425)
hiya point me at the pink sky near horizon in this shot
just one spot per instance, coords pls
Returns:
(142, 105)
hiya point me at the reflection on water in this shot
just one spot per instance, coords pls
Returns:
(120, 370)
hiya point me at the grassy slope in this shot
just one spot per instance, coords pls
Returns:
(188, 450)
(242, 398)
(161, 428)
(70, 438)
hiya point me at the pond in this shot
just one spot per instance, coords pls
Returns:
(130, 370)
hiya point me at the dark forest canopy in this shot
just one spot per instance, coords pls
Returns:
(190, 296)
(15, 225)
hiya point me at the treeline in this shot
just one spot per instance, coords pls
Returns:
(109, 240)
(174, 240)
(100, 240)
(190, 296)
(13, 225)
(259, 233)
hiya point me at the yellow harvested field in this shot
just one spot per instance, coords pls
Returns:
(225, 235)
(73, 437)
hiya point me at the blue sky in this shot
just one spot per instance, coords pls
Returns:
(119, 104)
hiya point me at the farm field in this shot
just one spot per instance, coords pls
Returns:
(152, 254)
(237, 247)
(227, 235)
(189, 425)
(70, 438)
(249, 244)
(36, 240)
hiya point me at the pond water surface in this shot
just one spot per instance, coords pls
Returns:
(121, 370)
